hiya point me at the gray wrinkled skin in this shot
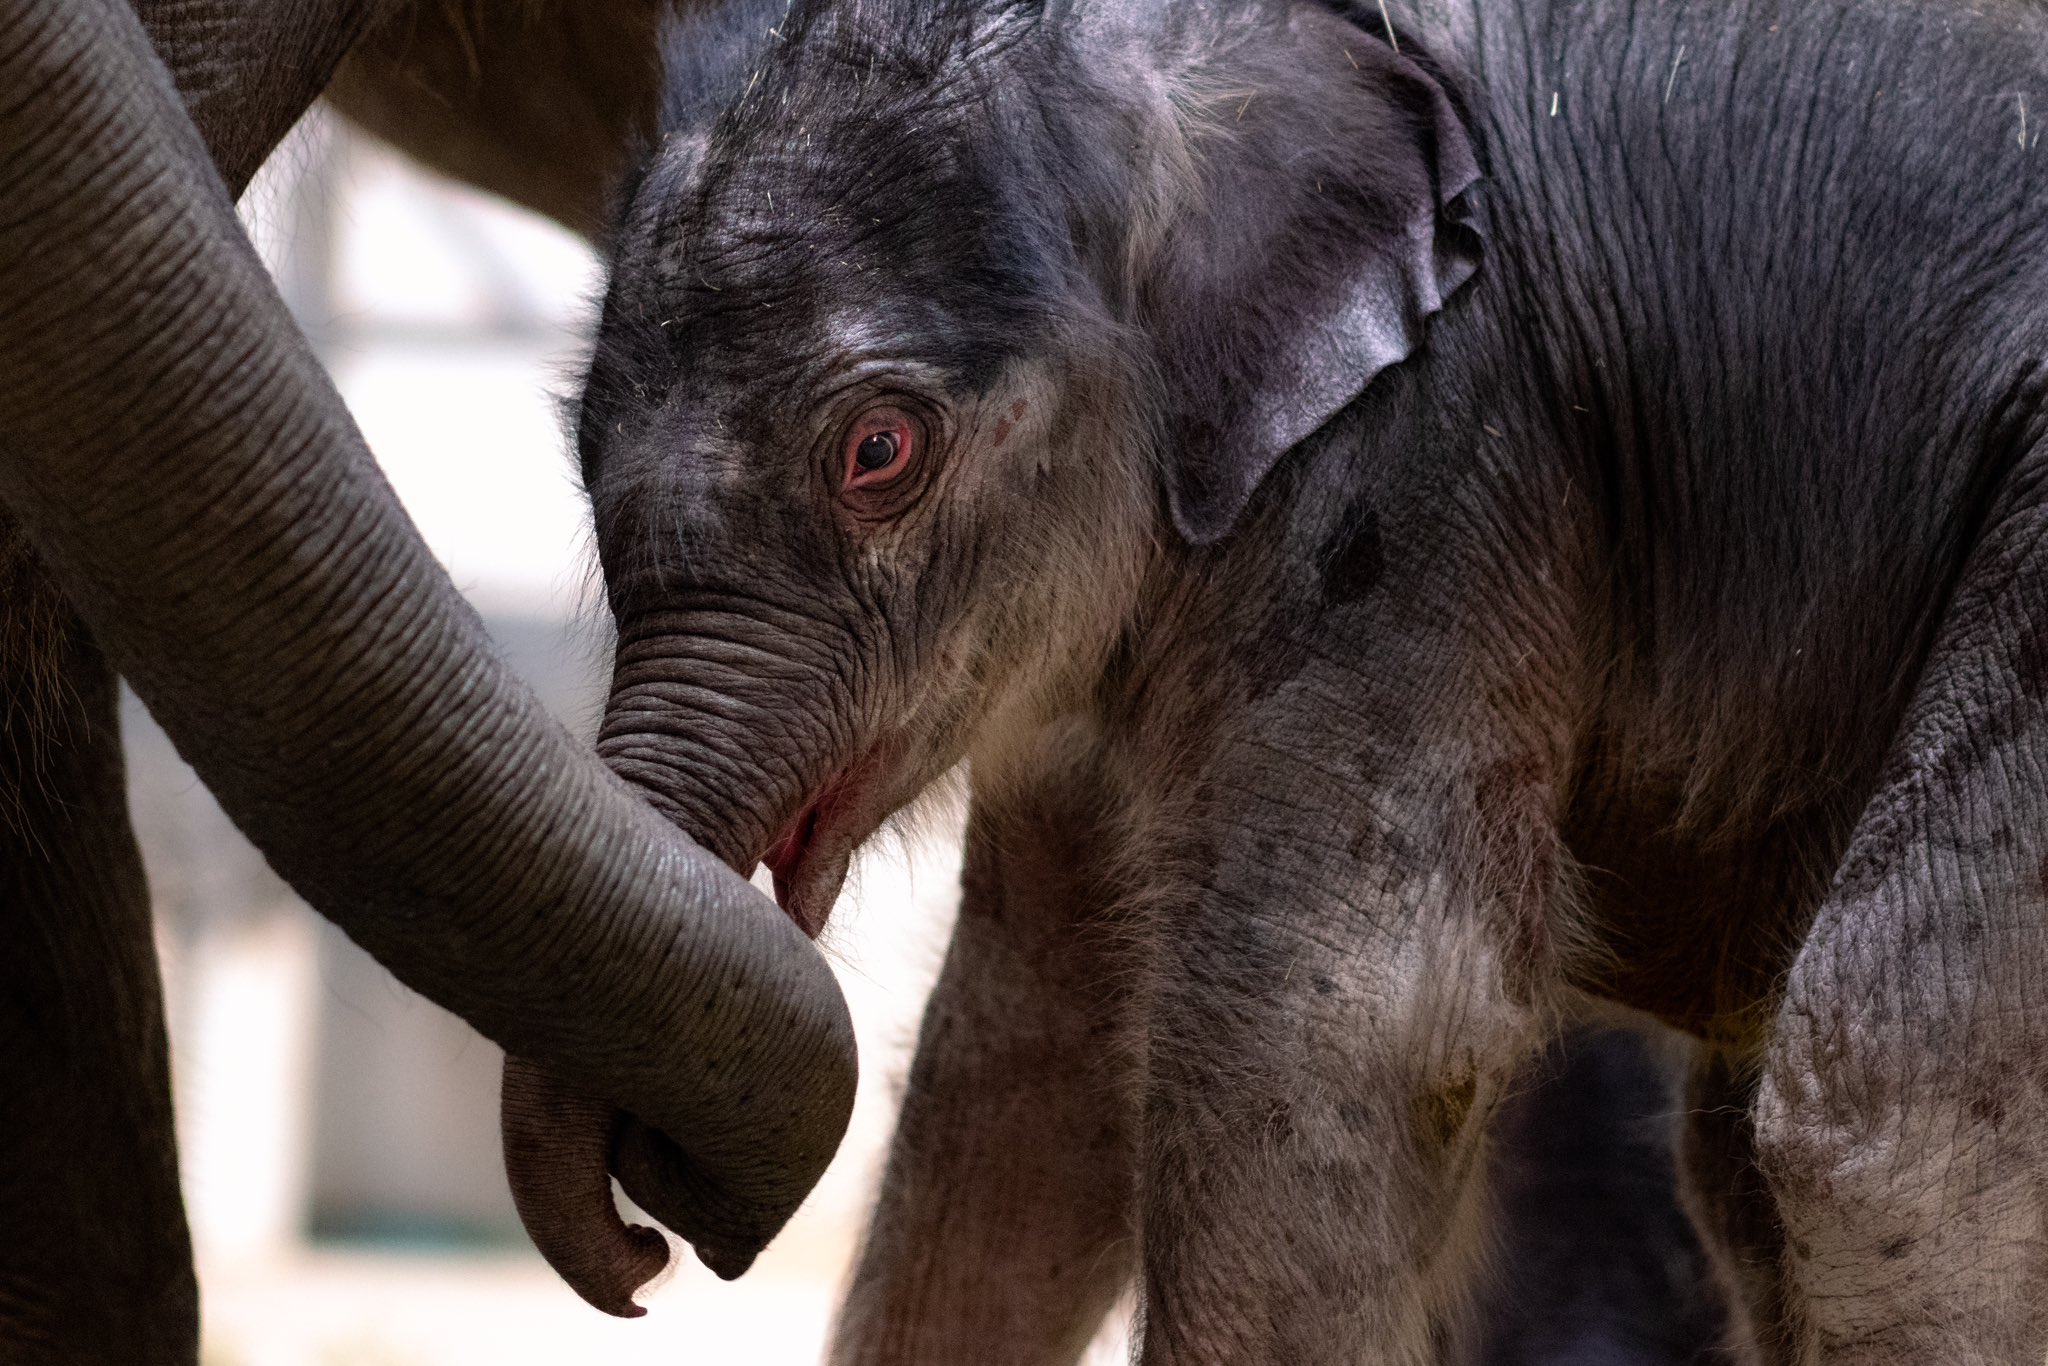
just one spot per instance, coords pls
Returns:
(1420, 538)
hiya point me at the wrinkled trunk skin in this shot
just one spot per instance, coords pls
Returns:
(559, 1143)
(726, 718)
(181, 464)
(722, 745)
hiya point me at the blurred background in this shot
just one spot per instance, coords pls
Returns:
(338, 1134)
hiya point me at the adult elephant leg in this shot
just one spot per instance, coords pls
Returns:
(1004, 1228)
(95, 1264)
(1903, 1116)
(247, 70)
(1333, 1020)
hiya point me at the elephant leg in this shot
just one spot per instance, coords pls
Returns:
(1902, 1119)
(1326, 1040)
(1003, 1231)
(95, 1262)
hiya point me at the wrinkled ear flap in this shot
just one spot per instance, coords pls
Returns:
(1325, 229)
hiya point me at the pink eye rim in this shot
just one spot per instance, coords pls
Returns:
(885, 434)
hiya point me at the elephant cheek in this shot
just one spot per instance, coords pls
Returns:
(558, 1144)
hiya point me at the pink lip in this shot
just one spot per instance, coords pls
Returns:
(792, 856)
(785, 861)
(814, 849)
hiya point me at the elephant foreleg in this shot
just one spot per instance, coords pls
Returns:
(95, 1263)
(1002, 1235)
(1331, 1028)
(1903, 1115)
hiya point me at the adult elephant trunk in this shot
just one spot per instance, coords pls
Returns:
(182, 464)
(715, 718)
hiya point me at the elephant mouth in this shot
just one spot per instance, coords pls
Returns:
(809, 859)
(808, 864)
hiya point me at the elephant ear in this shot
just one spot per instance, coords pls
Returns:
(1323, 228)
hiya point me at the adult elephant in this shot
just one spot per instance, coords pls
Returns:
(187, 505)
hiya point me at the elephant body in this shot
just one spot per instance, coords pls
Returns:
(1428, 523)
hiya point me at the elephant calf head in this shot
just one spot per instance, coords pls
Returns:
(917, 352)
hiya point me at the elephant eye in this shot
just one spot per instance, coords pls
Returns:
(880, 447)
(877, 451)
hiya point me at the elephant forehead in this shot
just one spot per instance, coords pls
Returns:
(869, 198)
(893, 230)
(764, 342)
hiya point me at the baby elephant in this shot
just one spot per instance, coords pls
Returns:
(1428, 523)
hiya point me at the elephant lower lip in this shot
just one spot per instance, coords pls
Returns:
(785, 860)
(810, 858)
(802, 863)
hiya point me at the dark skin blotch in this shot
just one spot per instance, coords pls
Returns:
(1439, 1116)
(1269, 658)
(1349, 563)
(1988, 1107)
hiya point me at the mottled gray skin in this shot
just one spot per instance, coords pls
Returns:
(184, 500)
(1366, 670)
